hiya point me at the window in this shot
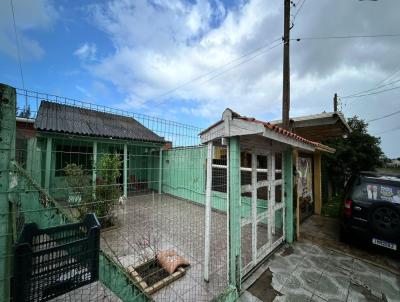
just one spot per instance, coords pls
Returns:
(69, 154)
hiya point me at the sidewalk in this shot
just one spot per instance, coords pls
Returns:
(307, 272)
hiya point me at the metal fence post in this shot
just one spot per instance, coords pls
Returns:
(160, 172)
(288, 183)
(7, 154)
(234, 213)
(47, 170)
(125, 167)
(207, 226)
(94, 169)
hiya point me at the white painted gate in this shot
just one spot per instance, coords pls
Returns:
(262, 207)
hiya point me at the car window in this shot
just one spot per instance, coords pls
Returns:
(366, 190)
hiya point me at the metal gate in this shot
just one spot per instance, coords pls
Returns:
(262, 206)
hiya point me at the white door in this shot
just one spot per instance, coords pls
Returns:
(262, 208)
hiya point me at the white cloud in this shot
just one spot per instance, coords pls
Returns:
(87, 51)
(29, 15)
(181, 43)
(161, 44)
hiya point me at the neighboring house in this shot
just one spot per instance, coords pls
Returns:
(394, 163)
(78, 135)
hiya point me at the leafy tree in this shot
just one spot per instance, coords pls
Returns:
(360, 151)
(26, 112)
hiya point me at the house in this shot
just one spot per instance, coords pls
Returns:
(64, 134)
(394, 163)
(262, 219)
(226, 203)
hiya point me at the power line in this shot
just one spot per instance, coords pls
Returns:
(299, 9)
(372, 89)
(390, 130)
(389, 77)
(347, 37)
(219, 68)
(383, 117)
(372, 93)
(17, 44)
(249, 59)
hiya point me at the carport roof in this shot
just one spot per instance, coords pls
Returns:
(319, 127)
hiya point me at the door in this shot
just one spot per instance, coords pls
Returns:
(305, 186)
(262, 207)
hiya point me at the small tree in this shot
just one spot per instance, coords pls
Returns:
(360, 151)
(107, 189)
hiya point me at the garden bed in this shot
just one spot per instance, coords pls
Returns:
(151, 276)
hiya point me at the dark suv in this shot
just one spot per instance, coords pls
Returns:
(371, 210)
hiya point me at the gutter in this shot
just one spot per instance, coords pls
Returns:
(25, 120)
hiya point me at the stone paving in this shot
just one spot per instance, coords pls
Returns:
(307, 272)
(324, 231)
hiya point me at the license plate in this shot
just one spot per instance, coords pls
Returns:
(385, 244)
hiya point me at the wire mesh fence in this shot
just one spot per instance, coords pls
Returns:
(144, 178)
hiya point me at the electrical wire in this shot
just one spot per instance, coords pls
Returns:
(384, 116)
(17, 44)
(371, 93)
(389, 77)
(240, 63)
(372, 89)
(299, 9)
(390, 130)
(200, 77)
(346, 37)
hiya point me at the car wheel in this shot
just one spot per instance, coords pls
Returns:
(385, 221)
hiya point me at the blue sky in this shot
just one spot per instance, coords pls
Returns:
(128, 54)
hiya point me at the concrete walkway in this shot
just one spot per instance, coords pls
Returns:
(307, 272)
(324, 231)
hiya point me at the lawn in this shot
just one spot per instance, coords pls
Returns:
(393, 170)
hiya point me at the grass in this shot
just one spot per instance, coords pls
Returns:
(332, 208)
(395, 170)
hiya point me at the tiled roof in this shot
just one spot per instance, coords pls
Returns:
(286, 132)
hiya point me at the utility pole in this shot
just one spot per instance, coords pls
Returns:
(335, 102)
(286, 67)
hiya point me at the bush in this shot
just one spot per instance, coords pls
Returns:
(107, 188)
(79, 183)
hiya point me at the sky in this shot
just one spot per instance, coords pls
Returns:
(189, 60)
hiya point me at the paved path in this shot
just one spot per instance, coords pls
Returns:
(307, 272)
(324, 231)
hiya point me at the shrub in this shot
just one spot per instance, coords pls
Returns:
(107, 190)
(79, 183)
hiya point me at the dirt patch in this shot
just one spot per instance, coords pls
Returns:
(262, 288)
(152, 272)
(288, 251)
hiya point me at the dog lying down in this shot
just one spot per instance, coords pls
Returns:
(171, 261)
